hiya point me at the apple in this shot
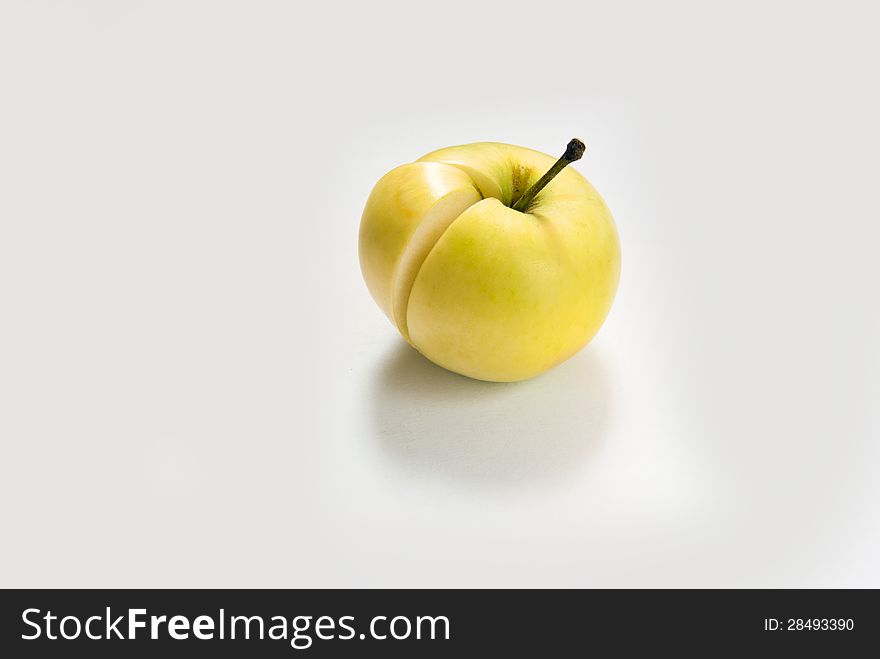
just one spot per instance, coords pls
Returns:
(494, 261)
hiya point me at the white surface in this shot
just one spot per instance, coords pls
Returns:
(196, 388)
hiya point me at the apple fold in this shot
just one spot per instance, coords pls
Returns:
(432, 226)
(498, 170)
(407, 212)
(486, 169)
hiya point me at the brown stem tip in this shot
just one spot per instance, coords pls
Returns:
(575, 150)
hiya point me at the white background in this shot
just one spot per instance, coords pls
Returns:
(197, 390)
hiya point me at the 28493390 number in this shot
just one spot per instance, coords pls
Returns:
(820, 624)
(809, 624)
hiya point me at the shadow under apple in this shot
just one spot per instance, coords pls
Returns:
(453, 427)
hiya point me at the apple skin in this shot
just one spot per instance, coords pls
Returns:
(477, 287)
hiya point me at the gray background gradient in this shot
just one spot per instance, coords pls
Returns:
(197, 390)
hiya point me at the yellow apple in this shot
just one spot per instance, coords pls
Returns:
(485, 266)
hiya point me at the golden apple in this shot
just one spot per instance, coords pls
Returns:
(494, 261)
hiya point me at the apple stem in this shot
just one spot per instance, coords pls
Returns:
(573, 151)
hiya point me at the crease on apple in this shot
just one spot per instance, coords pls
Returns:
(486, 178)
(485, 183)
(430, 229)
